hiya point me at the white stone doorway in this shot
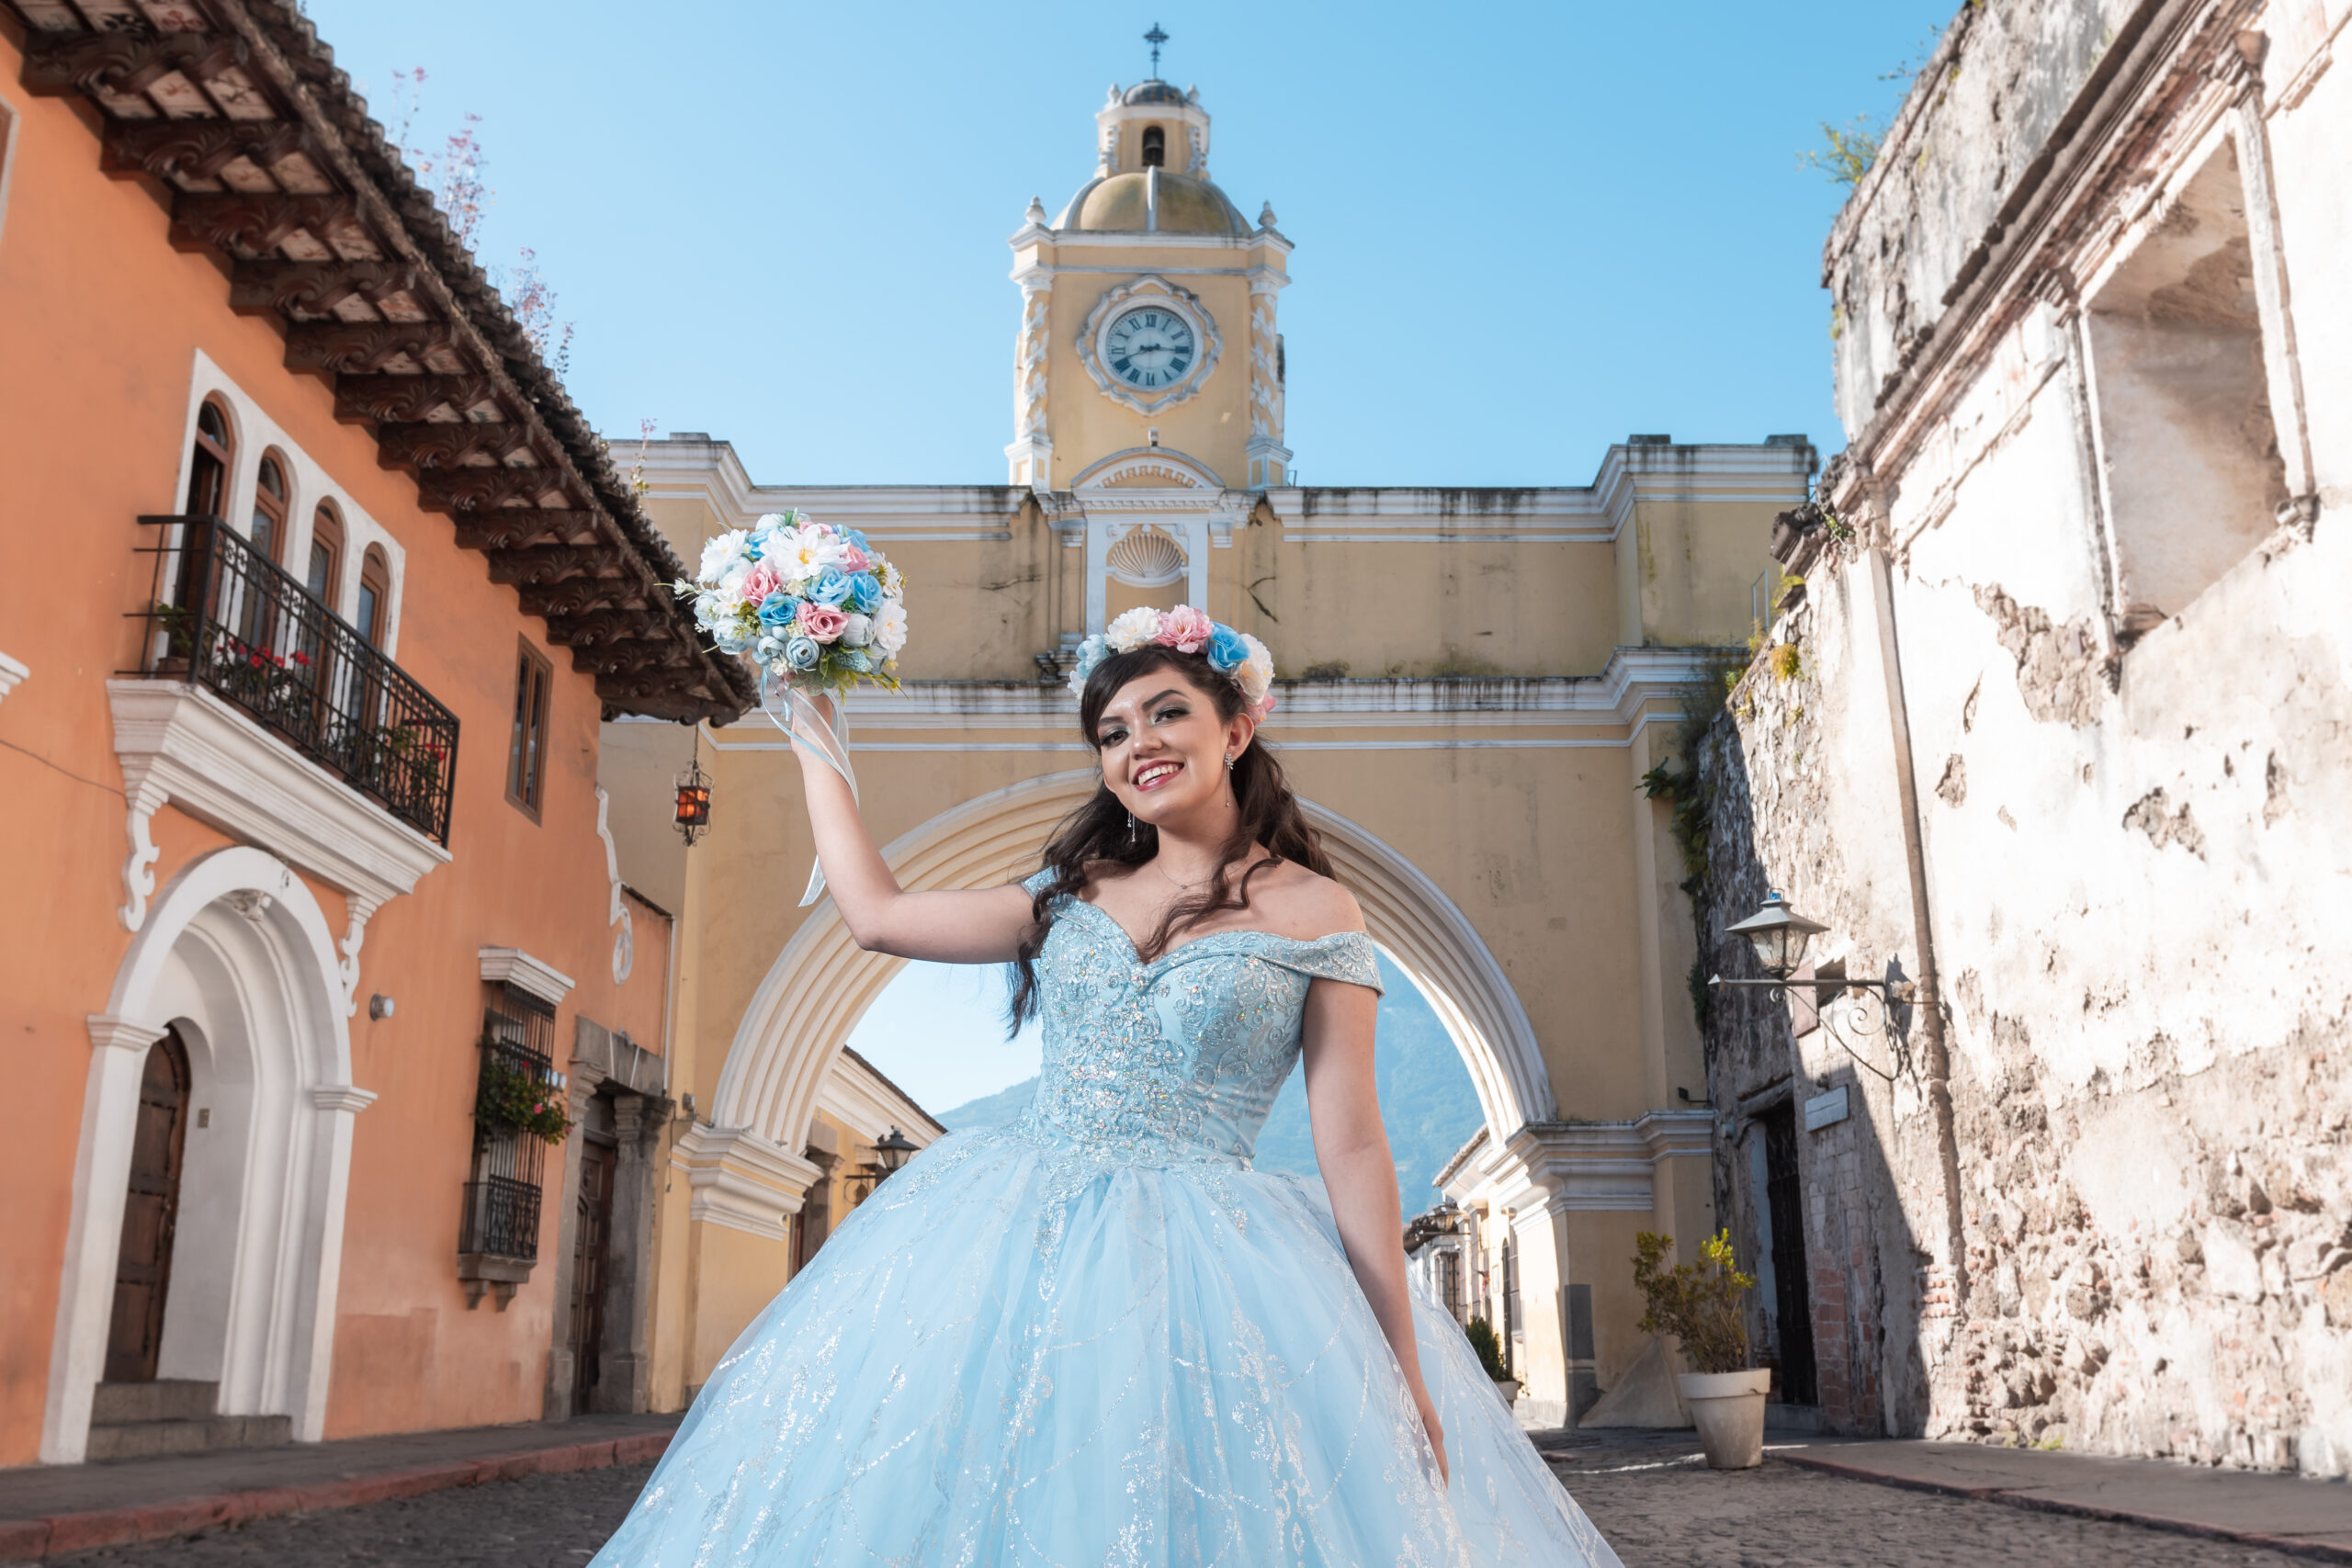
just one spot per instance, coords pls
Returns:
(235, 960)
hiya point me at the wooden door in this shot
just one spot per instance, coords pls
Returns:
(591, 1232)
(143, 1273)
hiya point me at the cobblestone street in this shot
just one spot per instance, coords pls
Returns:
(1666, 1511)
(1657, 1504)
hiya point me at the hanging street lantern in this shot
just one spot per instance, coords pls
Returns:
(693, 799)
(1779, 934)
(892, 1151)
(1845, 1005)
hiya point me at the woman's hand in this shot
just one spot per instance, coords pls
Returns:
(1436, 1430)
(979, 926)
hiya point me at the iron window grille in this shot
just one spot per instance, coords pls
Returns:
(223, 616)
(502, 1218)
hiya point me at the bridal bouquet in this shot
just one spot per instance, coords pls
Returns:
(818, 609)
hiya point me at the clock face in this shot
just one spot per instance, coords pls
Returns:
(1150, 347)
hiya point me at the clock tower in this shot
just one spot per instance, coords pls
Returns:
(1148, 376)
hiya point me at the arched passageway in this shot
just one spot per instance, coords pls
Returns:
(822, 983)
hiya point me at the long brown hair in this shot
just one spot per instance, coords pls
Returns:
(1100, 831)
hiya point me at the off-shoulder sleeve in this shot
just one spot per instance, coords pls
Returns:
(1032, 883)
(1342, 955)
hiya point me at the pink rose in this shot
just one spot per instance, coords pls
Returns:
(854, 559)
(760, 582)
(1185, 629)
(821, 623)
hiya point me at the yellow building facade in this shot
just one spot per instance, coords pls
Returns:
(1474, 682)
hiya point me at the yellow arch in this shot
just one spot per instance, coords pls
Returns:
(822, 983)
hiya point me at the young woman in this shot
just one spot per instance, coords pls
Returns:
(1095, 1335)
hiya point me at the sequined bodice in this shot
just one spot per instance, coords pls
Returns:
(1179, 1058)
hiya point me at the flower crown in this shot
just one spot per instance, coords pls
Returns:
(1187, 630)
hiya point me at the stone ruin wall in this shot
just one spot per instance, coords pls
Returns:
(2139, 905)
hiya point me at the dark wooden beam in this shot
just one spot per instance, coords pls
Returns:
(634, 658)
(486, 489)
(363, 348)
(604, 627)
(252, 226)
(407, 399)
(317, 288)
(125, 63)
(556, 563)
(519, 527)
(667, 694)
(580, 595)
(454, 445)
(175, 150)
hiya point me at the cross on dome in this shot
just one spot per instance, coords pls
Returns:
(1155, 38)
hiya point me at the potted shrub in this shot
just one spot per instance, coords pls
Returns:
(1700, 1303)
(1484, 1340)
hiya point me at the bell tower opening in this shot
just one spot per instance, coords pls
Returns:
(1154, 147)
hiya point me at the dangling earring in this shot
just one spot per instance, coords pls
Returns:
(1134, 831)
(1230, 760)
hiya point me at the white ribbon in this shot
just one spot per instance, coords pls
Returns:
(791, 711)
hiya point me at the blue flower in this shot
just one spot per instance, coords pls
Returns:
(801, 653)
(778, 609)
(851, 659)
(830, 587)
(855, 536)
(1226, 650)
(864, 594)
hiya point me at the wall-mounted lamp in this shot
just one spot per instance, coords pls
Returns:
(693, 817)
(1780, 936)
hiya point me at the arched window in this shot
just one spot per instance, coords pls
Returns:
(269, 508)
(208, 467)
(1154, 147)
(375, 597)
(324, 575)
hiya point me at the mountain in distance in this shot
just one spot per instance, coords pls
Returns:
(1426, 1099)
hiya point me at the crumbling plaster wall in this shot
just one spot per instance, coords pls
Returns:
(1979, 113)
(2135, 866)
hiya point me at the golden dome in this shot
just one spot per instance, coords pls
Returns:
(1125, 202)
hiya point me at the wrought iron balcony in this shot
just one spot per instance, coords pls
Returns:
(222, 617)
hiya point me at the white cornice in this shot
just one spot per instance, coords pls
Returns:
(512, 966)
(1619, 694)
(12, 671)
(710, 472)
(741, 1181)
(856, 1095)
(1551, 1167)
(108, 1031)
(180, 745)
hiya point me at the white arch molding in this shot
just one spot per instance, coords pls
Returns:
(238, 952)
(822, 983)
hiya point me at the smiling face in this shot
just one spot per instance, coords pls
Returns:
(1164, 744)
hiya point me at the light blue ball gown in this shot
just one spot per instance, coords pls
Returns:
(1095, 1337)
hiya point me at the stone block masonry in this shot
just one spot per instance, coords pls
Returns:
(2056, 727)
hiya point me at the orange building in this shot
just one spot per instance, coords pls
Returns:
(316, 590)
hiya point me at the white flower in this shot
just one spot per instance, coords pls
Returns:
(1256, 672)
(893, 581)
(858, 632)
(723, 552)
(1132, 630)
(889, 630)
(805, 553)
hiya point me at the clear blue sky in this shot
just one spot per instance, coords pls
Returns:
(1523, 230)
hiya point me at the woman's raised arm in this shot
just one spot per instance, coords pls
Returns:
(982, 926)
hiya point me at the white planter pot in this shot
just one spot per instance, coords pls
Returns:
(1507, 1389)
(1728, 1410)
